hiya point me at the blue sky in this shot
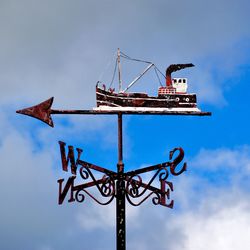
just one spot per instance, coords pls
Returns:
(60, 48)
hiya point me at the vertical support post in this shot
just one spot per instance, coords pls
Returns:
(119, 70)
(120, 194)
(120, 146)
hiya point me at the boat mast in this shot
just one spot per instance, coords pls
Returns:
(119, 69)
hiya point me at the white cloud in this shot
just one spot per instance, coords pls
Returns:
(97, 217)
(29, 208)
(224, 165)
(207, 215)
(212, 160)
(226, 227)
(216, 216)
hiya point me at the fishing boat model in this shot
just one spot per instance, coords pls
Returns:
(171, 97)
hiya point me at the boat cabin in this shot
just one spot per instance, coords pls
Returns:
(179, 86)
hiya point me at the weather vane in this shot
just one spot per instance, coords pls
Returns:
(120, 185)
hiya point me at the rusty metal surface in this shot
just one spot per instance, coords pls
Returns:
(120, 184)
(120, 192)
(134, 185)
(43, 112)
(128, 112)
(109, 99)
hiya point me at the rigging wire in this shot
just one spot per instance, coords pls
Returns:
(134, 59)
(157, 70)
(105, 70)
(123, 55)
(158, 76)
(138, 60)
(160, 72)
(113, 77)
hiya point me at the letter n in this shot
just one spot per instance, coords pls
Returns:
(63, 191)
(70, 157)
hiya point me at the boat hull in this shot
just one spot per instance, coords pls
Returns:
(106, 98)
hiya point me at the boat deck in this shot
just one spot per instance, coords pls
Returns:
(148, 111)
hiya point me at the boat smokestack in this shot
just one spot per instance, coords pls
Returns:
(173, 68)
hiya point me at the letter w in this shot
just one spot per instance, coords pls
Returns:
(70, 157)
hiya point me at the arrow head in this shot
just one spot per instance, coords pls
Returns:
(42, 111)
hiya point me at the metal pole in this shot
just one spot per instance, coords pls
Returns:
(120, 194)
(119, 69)
(120, 147)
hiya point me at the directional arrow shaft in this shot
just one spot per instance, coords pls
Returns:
(43, 112)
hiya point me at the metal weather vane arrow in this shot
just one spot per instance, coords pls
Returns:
(43, 112)
(121, 185)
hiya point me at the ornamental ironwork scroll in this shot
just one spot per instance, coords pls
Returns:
(137, 189)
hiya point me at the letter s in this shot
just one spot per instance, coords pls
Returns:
(176, 161)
